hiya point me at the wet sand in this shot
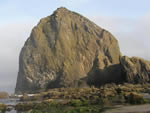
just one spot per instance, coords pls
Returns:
(130, 109)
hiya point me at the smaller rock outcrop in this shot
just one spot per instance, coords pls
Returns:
(137, 70)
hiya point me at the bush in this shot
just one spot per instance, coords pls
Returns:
(118, 90)
(134, 98)
(76, 103)
(36, 111)
(40, 106)
(24, 106)
(2, 107)
(98, 100)
(118, 99)
(85, 102)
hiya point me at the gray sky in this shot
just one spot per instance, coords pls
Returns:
(128, 21)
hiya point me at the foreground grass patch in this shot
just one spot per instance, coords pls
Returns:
(67, 109)
(2, 107)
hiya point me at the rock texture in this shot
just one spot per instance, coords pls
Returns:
(64, 48)
(136, 70)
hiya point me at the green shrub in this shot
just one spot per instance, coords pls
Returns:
(85, 102)
(76, 103)
(118, 90)
(24, 106)
(40, 106)
(36, 111)
(97, 100)
(134, 98)
(2, 107)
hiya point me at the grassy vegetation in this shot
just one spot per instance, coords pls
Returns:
(2, 107)
(74, 106)
(85, 100)
(134, 98)
(83, 105)
(71, 110)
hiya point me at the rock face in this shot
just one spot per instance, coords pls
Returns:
(136, 70)
(64, 48)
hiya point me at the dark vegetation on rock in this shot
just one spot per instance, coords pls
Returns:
(68, 50)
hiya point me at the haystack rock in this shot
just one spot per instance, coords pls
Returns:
(66, 49)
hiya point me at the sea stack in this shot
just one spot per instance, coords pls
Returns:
(66, 49)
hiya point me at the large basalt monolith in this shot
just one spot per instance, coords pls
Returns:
(67, 47)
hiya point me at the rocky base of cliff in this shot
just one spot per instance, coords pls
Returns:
(86, 100)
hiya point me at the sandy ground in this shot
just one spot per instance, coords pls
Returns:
(130, 109)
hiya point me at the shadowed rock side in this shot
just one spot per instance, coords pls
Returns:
(136, 70)
(64, 48)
